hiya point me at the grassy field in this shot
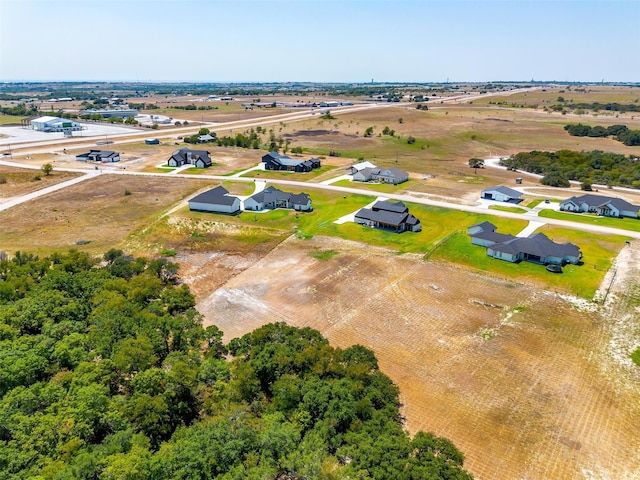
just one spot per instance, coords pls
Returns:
(17, 181)
(592, 219)
(302, 176)
(583, 280)
(378, 187)
(9, 119)
(507, 209)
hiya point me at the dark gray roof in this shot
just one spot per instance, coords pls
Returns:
(510, 192)
(486, 226)
(397, 207)
(601, 200)
(492, 236)
(382, 216)
(539, 245)
(300, 199)
(218, 196)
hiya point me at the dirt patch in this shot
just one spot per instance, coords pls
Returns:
(518, 378)
(314, 133)
(103, 210)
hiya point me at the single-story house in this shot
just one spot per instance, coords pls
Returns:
(99, 156)
(55, 124)
(391, 175)
(501, 194)
(388, 216)
(272, 198)
(216, 200)
(206, 138)
(276, 161)
(537, 248)
(601, 205)
(184, 156)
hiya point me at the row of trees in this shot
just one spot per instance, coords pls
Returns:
(619, 132)
(597, 106)
(106, 372)
(596, 166)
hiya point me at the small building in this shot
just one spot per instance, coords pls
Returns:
(272, 198)
(600, 205)
(501, 194)
(186, 156)
(216, 200)
(206, 138)
(152, 141)
(388, 216)
(99, 156)
(537, 248)
(276, 161)
(55, 124)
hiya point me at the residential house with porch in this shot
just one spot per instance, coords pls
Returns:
(388, 216)
(271, 198)
(186, 156)
(537, 248)
(276, 161)
(600, 205)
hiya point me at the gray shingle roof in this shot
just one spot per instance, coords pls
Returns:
(510, 192)
(218, 196)
(398, 207)
(539, 245)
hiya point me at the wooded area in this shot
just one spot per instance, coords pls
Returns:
(107, 373)
(619, 132)
(594, 167)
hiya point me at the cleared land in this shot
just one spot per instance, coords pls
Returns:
(518, 378)
(17, 181)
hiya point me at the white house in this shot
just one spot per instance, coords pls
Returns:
(99, 156)
(216, 200)
(54, 124)
(501, 194)
(601, 205)
(272, 198)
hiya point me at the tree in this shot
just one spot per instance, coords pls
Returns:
(47, 168)
(476, 163)
(411, 140)
(368, 132)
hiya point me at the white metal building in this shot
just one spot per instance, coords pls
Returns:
(54, 124)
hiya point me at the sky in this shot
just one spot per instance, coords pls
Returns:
(319, 40)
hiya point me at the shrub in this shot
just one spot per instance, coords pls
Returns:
(411, 140)
(127, 192)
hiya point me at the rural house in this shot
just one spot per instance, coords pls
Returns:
(99, 156)
(501, 194)
(388, 216)
(367, 172)
(184, 156)
(272, 198)
(537, 248)
(275, 161)
(601, 205)
(216, 200)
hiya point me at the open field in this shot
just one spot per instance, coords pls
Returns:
(577, 94)
(513, 375)
(626, 223)
(97, 210)
(18, 181)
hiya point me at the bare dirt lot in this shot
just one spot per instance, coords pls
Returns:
(98, 210)
(18, 181)
(520, 379)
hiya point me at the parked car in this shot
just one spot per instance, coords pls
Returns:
(554, 268)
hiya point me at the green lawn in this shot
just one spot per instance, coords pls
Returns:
(10, 119)
(197, 171)
(623, 223)
(289, 175)
(507, 209)
(583, 280)
(535, 203)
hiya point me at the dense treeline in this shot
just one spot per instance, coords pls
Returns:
(591, 167)
(19, 110)
(107, 373)
(597, 106)
(618, 132)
